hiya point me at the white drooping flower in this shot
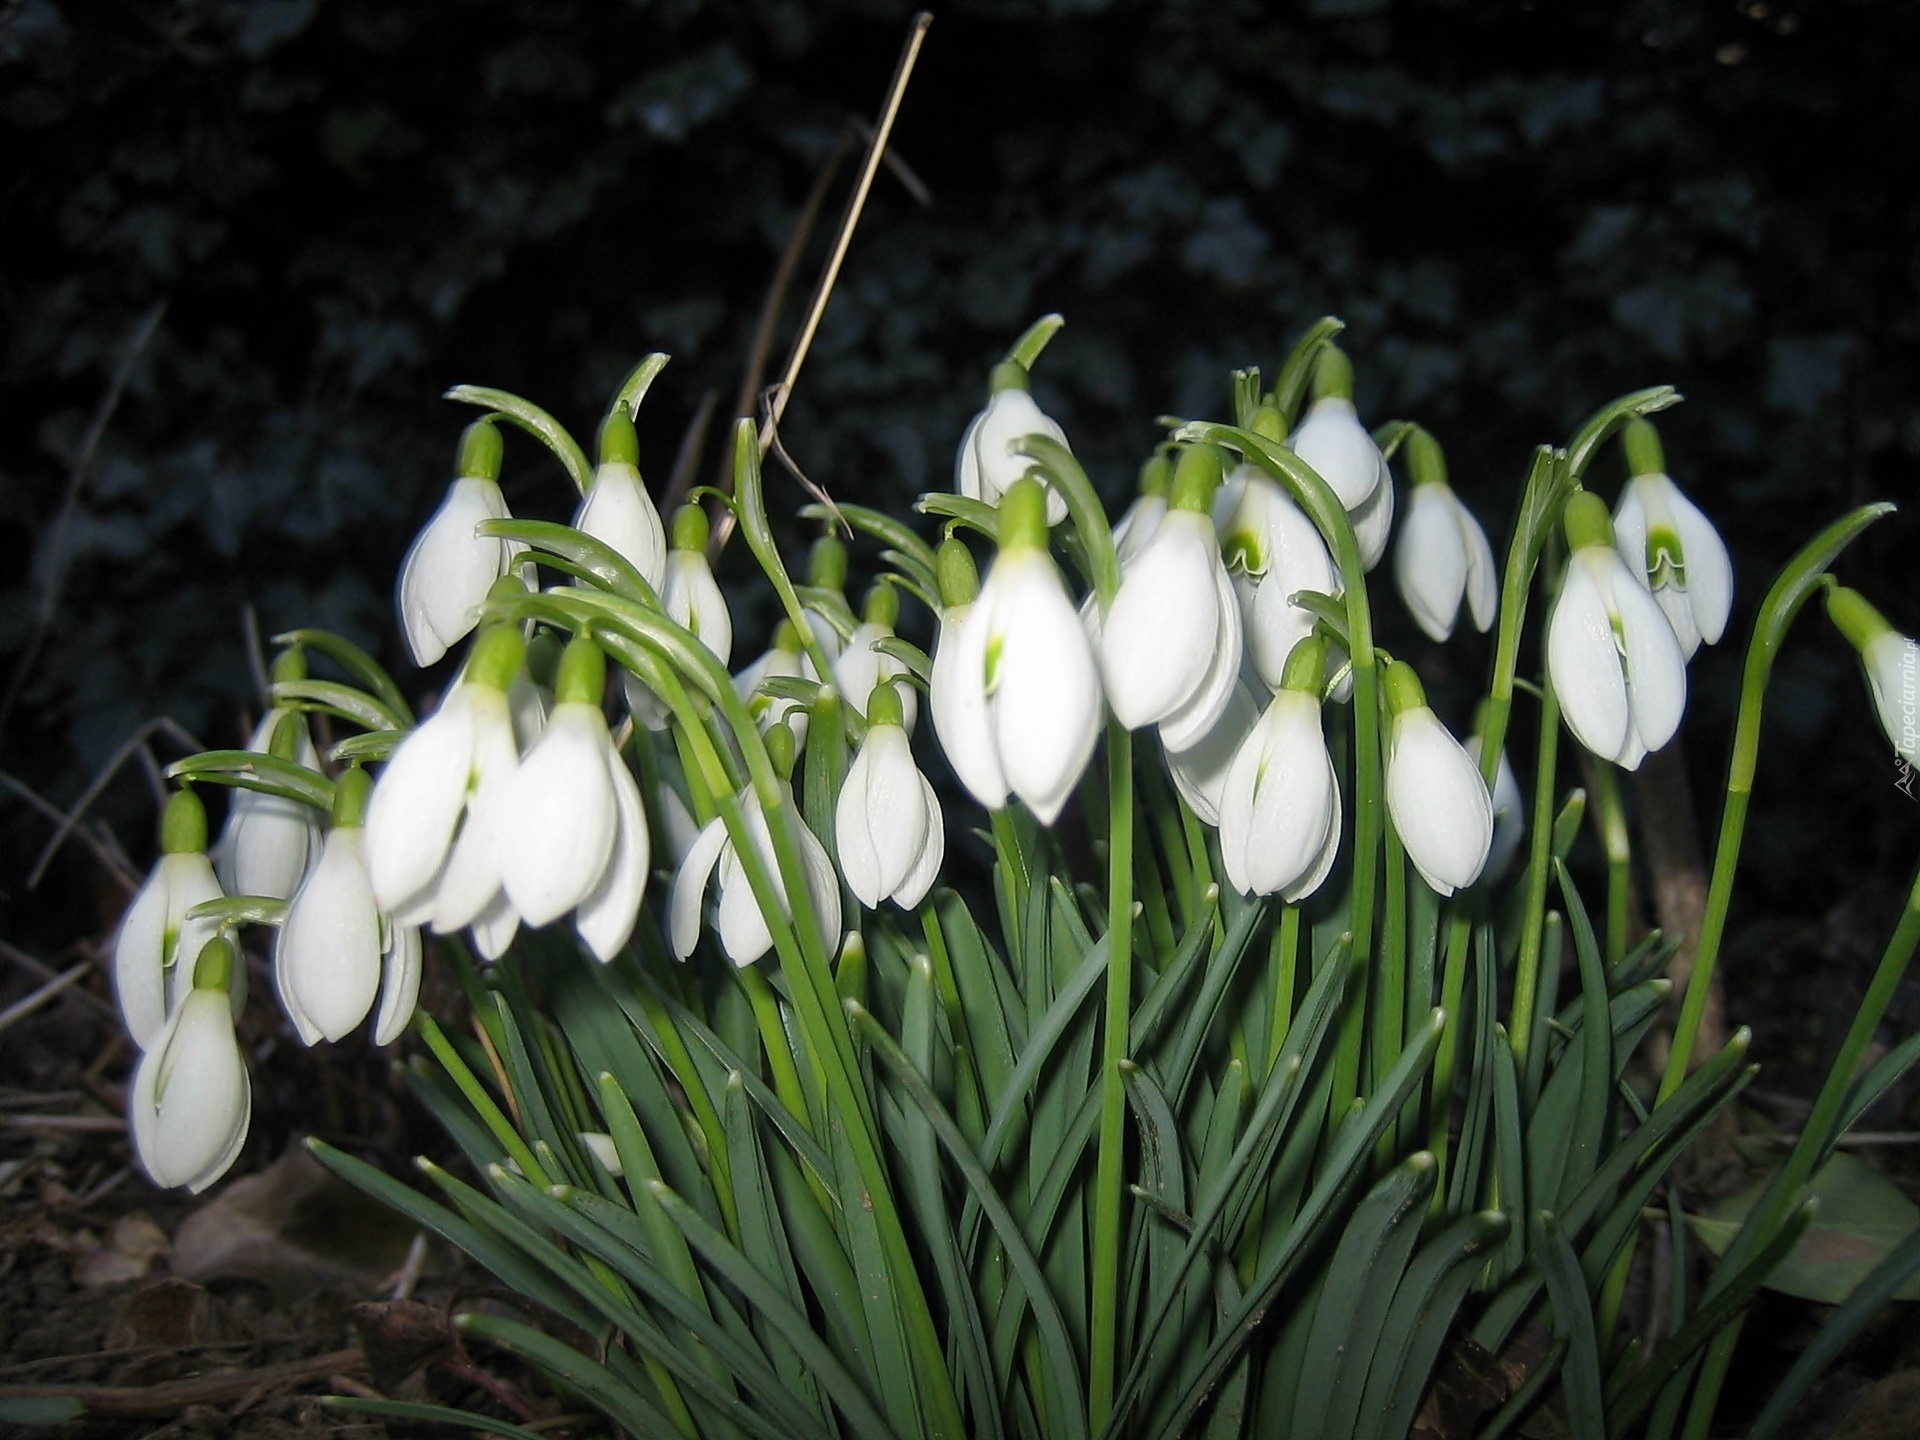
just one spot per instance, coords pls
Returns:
(1280, 807)
(1016, 693)
(862, 665)
(449, 569)
(1892, 664)
(155, 935)
(1614, 661)
(426, 856)
(986, 465)
(1274, 552)
(334, 947)
(786, 659)
(570, 831)
(1331, 439)
(1439, 804)
(1443, 556)
(690, 594)
(887, 823)
(1671, 547)
(268, 841)
(743, 927)
(1170, 644)
(190, 1101)
(1134, 529)
(617, 509)
(1199, 772)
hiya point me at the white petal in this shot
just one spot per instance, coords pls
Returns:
(1315, 875)
(417, 802)
(555, 832)
(619, 512)
(1656, 671)
(606, 917)
(1709, 568)
(1373, 523)
(1160, 637)
(1200, 771)
(469, 883)
(494, 929)
(693, 597)
(1046, 689)
(880, 822)
(1438, 802)
(1583, 661)
(1279, 796)
(449, 569)
(399, 984)
(1010, 416)
(327, 953)
(919, 879)
(153, 936)
(689, 892)
(191, 1101)
(1892, 663)
(962, 718)
(1483, 575)
(1186, 726)
(1430, 561)
(1333, 441)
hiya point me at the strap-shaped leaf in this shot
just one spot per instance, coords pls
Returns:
(1573, 1322)
(332, 697)
(537, 423)
(249, 770)
(357, 663)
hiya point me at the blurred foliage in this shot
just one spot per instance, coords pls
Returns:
(1520, 210)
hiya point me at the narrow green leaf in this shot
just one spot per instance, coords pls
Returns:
(617, 1400)
(357, 663)
(1602, 424)
(424, 1414)
(586, 556)
(1573, 1322)
(1290, 386)
(251, 771)
(639, 380)
(537, 423)
(1361, 1279)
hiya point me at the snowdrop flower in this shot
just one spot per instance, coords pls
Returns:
(861, 666)
(336, 949)
(887, 823)
(1612, 657)
(1274, 552)
(692, 598)
(1443, 555)
(449, 569)
(1280, 808)
(570, 832)
(1671, 547)
(1016, 693)
(986, 465)
(155, 932)
(617, 509)
(1170, 643)
(784, 660)
(426, 855)
(1439, 804)
(744, 929)
(690, 594)
(1199, 772)
(269, 841)
(191, 1102)
(1892, 663)
(1333, 441)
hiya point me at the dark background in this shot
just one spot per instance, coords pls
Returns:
(346, 208)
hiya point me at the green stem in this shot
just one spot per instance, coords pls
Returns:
(1611, 813)
(1526, 970)
(1110, 1174)
(1798, 581)
(1817, 1137)
(1390, 987)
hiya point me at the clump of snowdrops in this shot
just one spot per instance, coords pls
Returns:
(1272, 1066)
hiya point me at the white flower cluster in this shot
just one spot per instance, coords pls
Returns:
(513, 804)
